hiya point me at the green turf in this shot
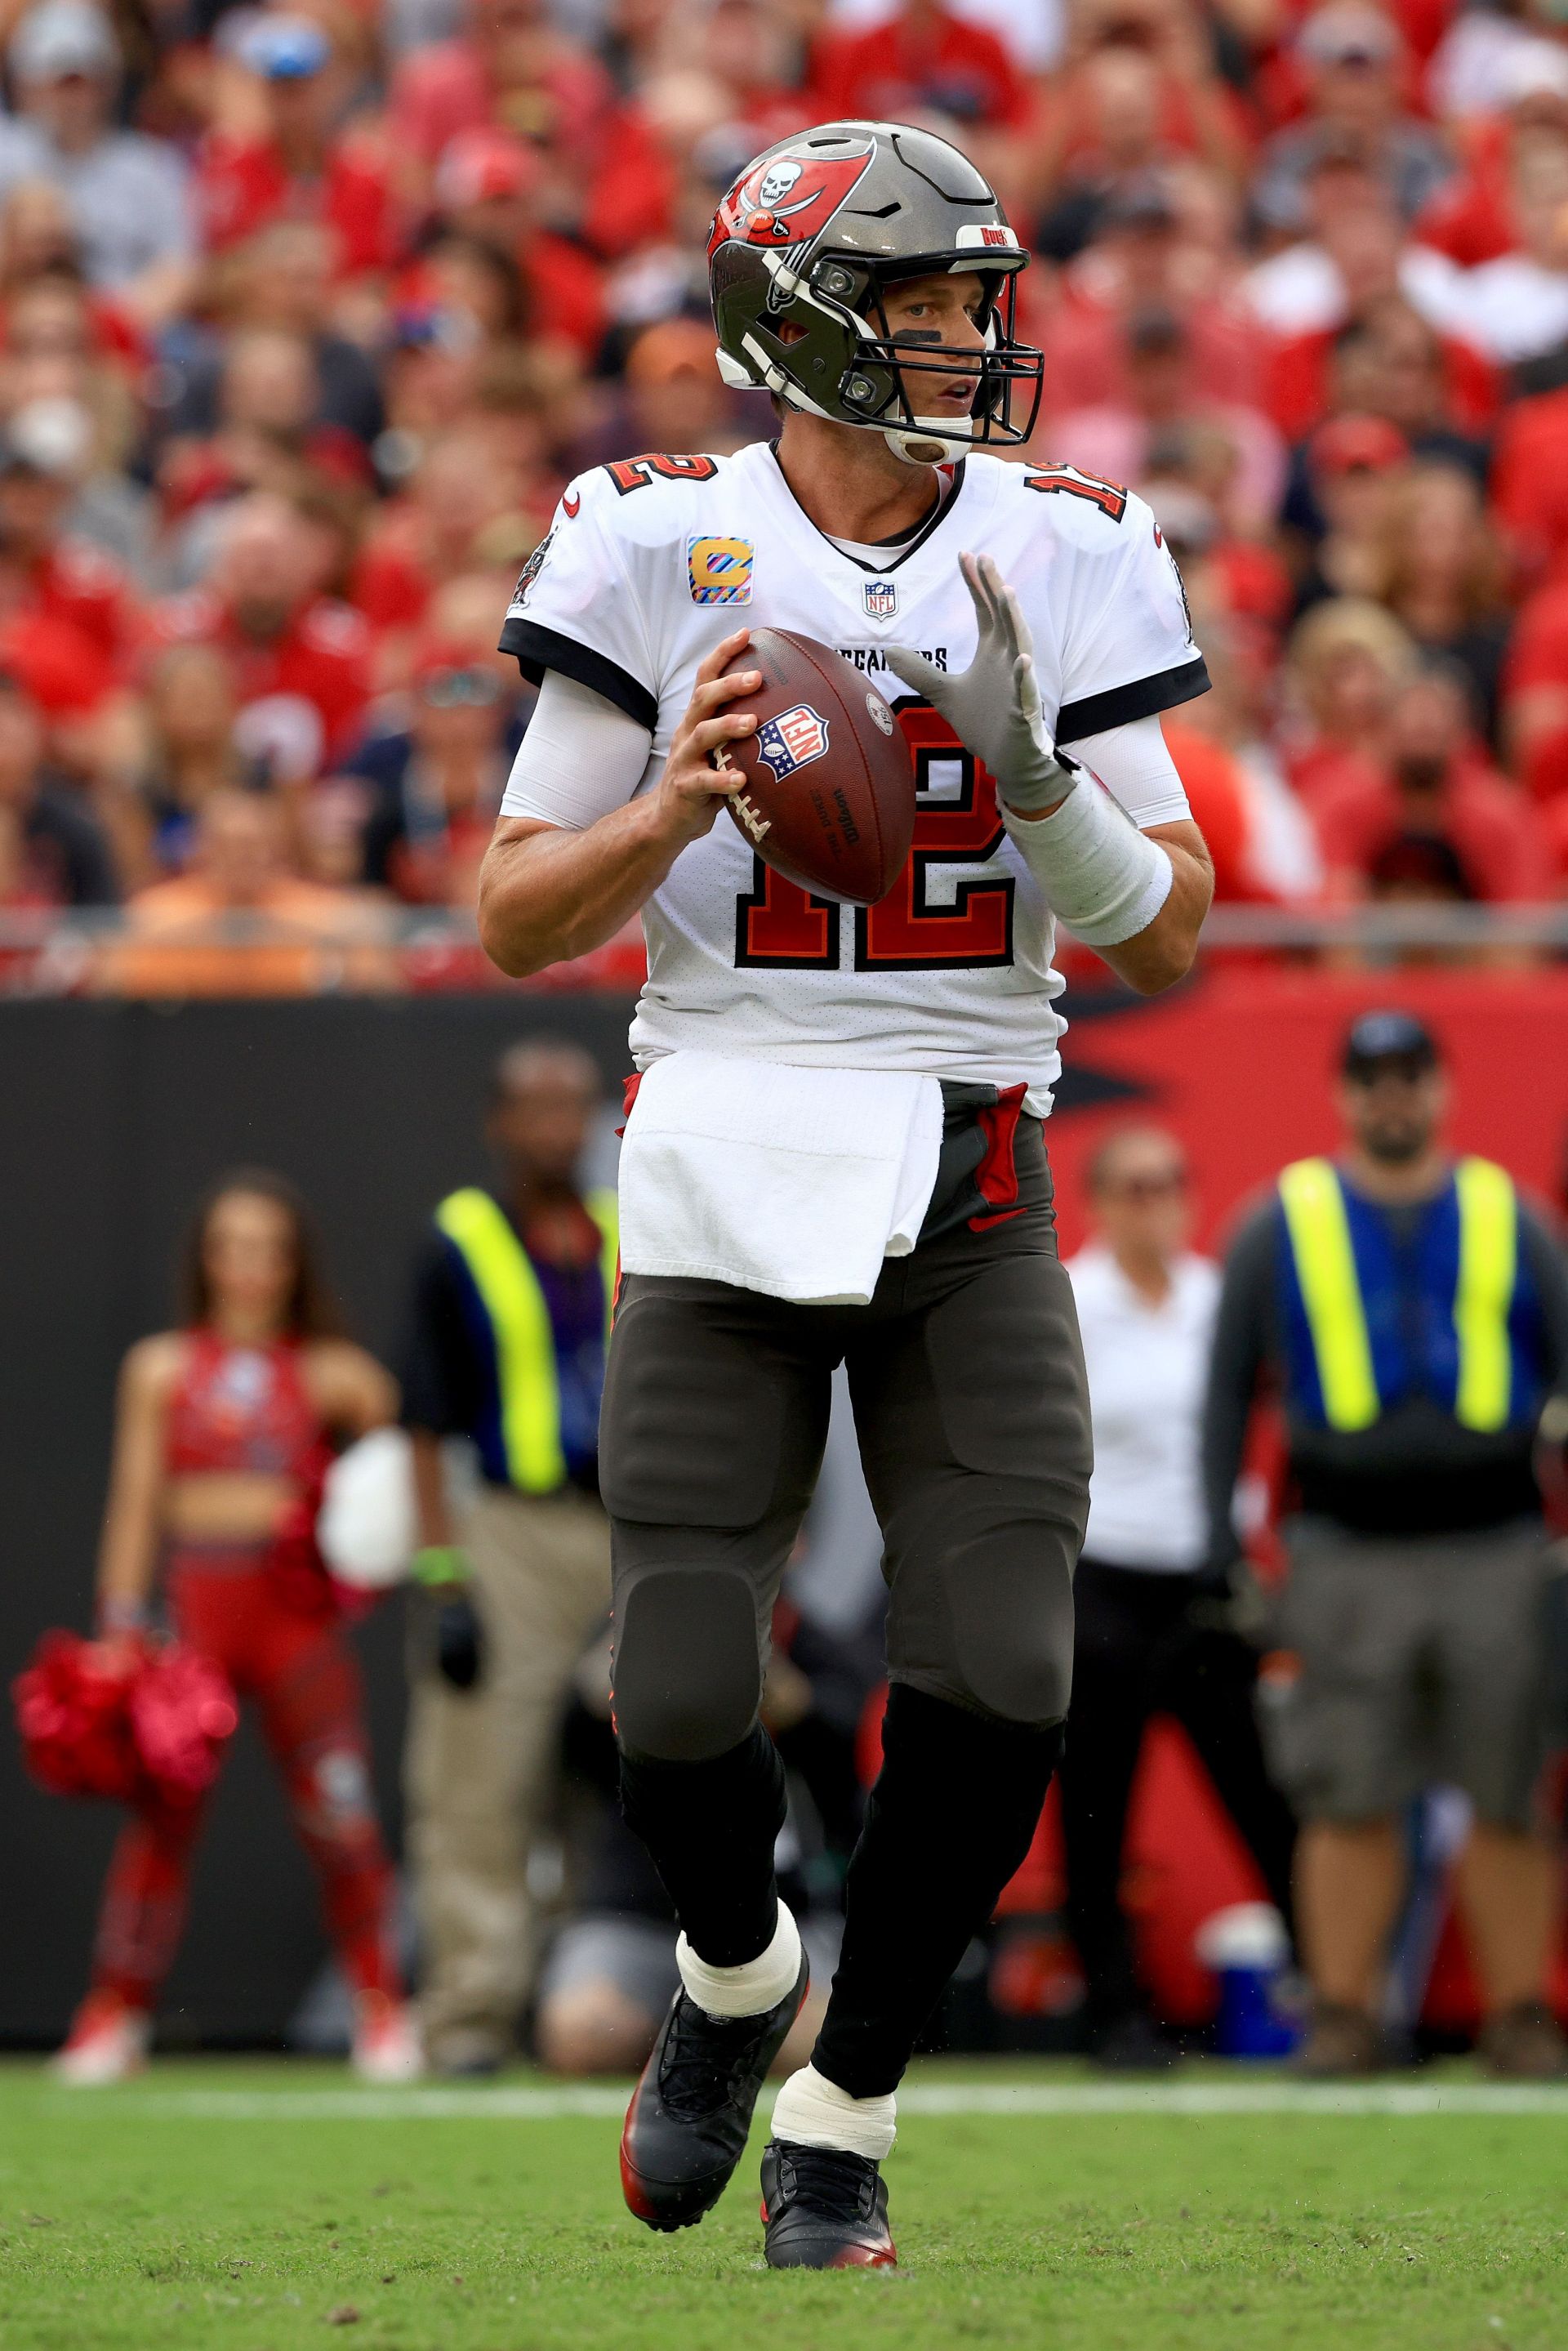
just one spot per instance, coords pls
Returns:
(127, 2219)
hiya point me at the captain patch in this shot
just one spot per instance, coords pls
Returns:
(719, 570)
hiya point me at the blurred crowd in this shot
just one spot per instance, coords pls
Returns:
(309, 313)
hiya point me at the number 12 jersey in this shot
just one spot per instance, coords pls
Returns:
(651, 561)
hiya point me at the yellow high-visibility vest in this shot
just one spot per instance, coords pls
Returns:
(1319, 1229)
(509, 1290)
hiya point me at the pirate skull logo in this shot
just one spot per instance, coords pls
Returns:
(787, 200)
(777, 182)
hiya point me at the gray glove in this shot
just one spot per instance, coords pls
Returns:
(994, 706)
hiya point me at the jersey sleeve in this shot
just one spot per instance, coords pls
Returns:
(575, 607)
(1127, 652)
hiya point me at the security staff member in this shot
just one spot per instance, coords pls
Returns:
(511, 1316)
(1413, 1313)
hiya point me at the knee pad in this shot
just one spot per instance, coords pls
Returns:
(688, 1663)
(1012, 1636)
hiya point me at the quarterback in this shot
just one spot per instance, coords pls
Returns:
(834, 1150)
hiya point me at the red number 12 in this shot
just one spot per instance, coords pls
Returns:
(779, 925)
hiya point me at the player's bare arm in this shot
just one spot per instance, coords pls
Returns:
(1162, 952)
(547, 895)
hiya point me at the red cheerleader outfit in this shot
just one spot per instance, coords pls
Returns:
(271, 1622)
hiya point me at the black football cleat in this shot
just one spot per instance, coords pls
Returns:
(690, 2114)
(824, 2209)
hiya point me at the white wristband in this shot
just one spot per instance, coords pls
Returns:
(1105, 879)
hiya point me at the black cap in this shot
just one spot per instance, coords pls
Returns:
(1381, 1037)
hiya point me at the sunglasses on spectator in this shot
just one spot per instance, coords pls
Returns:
(461, 689)
(1408, 1069)
(1143, 1189)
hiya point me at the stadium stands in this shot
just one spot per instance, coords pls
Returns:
(307, 317)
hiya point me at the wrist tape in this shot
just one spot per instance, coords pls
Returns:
(1099, 874)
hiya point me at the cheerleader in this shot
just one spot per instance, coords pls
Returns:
(224, 1431)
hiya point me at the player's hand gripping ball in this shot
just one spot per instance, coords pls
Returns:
(825, 789)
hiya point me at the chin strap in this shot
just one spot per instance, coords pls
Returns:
(921, 443)
(924, 444)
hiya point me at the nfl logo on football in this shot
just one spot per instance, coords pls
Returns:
(794, 739)
(880, 597)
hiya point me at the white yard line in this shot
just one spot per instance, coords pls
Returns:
(440, 2103)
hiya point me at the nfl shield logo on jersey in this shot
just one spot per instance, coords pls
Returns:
(794, 739)
(719, 570)
(880, 597)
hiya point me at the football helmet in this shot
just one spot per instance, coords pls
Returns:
(812, 234)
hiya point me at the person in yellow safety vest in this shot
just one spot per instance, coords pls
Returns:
(512, 1307)
(1411, 1313)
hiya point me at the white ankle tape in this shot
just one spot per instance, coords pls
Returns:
(814, 2112)
(754, 1985)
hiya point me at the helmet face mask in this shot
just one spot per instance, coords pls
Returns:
(1006, 374)
(815, 234)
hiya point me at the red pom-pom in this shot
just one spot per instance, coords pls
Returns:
(72, 1713)
(182, 1712)
(149, 1728)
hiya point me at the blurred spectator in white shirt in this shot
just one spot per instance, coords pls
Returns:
(1486, 55)
(1145, 1307)
(1516, 307)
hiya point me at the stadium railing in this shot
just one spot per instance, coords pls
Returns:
(379, 949)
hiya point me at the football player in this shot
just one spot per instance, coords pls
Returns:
(864, 276)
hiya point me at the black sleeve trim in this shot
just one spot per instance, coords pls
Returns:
(1120, 705)
(537, 649)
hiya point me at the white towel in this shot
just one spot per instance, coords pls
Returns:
(795, 1182)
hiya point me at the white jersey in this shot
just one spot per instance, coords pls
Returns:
(1148, 1367)
(651, 561)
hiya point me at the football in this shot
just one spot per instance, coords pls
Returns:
(825, 789)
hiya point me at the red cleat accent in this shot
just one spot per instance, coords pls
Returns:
(631, 2187)
(866, 2257)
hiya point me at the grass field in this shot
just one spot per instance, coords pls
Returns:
(248, 2208)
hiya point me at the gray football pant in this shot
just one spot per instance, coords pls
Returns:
(971, 1404)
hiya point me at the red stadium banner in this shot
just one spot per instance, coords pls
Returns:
(1241, 1063)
